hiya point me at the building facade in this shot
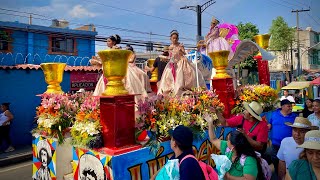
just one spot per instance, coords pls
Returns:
(33, 44)
(309, 54)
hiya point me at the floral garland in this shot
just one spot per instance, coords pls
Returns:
(263, 94)
(159, 115)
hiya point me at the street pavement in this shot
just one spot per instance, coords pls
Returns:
(19, 171)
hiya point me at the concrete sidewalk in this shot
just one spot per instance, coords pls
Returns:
(18, 155)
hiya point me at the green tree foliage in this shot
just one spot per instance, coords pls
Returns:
(281, 35)
(247, 31)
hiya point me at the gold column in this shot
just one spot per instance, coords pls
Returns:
(220, 63)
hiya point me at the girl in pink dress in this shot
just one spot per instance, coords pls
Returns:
(214, 41)
(179, 75)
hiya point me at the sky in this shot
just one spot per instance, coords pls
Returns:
(136, 19)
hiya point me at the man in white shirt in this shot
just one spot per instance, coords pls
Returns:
(287, 96)
(288, 151)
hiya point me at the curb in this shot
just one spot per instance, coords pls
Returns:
(15, 158)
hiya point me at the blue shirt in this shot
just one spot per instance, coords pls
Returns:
(279, 130)
(189, 169)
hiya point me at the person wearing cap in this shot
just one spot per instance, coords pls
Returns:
(5, 119)
(279, 130)
(160, 62)
(181, 144)
(253, 127)
(308, 166)
(288, 151)
(81, 90)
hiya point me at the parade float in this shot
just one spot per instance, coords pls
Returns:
(112, 137)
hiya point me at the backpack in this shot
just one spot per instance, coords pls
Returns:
(264, 166)
(208, 171)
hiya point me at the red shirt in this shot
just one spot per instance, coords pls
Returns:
(259, 133)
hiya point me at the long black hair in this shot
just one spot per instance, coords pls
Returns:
(243, 147)
(115, 38)
(6, 105)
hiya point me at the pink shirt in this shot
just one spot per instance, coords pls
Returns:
(259, 133)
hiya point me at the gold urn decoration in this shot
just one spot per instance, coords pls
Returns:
(262, 40)
(154, 74)
(220, 63)
(53, 74)
(115, 65)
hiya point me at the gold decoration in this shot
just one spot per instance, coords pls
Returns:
(262, 40)
(53, 74)
(220, 63)
(154, 74)
(115, 65)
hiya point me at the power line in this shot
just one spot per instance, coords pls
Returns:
(144, 14)
(97, 25)
(313, 19)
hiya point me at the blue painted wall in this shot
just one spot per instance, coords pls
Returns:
(20, 87)
(30, 47)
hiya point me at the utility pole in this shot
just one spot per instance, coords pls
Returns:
(199, 10)
(299, 68)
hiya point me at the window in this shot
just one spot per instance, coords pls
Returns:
(5, 40)
(316, 38)
(62, 45)
(315, 57)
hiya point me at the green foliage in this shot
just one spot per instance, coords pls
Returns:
(4, 35)
(247, 30)
(281, 34)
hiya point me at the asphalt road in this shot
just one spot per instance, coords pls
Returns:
(20, 171)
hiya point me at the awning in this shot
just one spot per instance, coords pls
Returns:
(297, 85)
(316, 81)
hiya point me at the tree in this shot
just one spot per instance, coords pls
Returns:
(247, 31)
(282, 37)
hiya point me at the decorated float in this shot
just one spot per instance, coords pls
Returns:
(112, 137)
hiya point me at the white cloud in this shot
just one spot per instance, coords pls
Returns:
(78, 11)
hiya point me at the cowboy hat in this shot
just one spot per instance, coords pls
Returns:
(254, 108)
(300, 122)
(43, 144)
(91, 163)
(311, 140)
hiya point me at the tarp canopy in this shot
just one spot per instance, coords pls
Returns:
(297, 85)
(316, 81)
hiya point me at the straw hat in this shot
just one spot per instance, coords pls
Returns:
(300, 122)
(254, 108)
(201, 43)
(165, 49)
(311, 140)
(43, 144)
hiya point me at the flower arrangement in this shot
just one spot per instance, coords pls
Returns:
(55, 115)
(263, 94)
(161, 114)
(86, 128)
